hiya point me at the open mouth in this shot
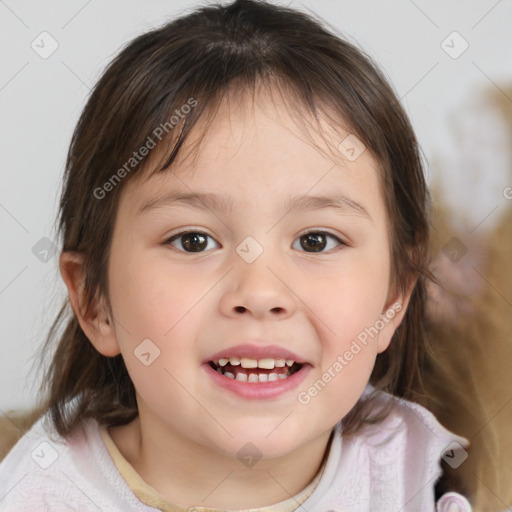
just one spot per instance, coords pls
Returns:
(251, 370)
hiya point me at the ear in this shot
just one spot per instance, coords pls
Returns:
(393, 313)
(96, 323)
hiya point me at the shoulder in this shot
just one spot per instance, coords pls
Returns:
(406, 448)
(44, 471)
(29, 468)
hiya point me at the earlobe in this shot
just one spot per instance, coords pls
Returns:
(94, 320)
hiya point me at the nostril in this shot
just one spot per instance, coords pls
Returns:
(239, 309)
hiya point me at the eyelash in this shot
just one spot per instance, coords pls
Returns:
(177, 236)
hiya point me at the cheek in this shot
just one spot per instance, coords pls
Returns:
(345, 311)
(340, 381)
(163, 306)
(349, 349)
(149, 298)
(349, 300)
(156, 311)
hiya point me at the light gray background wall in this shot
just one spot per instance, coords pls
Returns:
(41, 98)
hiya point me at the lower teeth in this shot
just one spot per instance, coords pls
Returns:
(254, 377)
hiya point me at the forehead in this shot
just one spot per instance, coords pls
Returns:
(265, 143)
(277, 118)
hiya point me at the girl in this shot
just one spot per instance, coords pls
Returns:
(245, 233)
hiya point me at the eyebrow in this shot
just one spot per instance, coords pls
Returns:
(215, 202)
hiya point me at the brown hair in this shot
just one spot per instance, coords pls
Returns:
(201, 55)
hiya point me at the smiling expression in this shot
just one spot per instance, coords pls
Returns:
(268, 242)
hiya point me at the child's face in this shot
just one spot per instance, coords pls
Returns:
(193, 305)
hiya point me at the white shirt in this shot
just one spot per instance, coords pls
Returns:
(387, 467)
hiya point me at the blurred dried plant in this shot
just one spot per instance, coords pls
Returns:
(469, 378)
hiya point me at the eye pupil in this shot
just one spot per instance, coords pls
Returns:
(315, 240)
(194, 242)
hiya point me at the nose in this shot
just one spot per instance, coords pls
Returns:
(258, 290)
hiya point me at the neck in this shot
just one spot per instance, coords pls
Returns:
(187, 473)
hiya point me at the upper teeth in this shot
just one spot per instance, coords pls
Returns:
(267, 363)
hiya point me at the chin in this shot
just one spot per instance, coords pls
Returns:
(258, 443)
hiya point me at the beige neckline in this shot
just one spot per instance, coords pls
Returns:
(151, 497)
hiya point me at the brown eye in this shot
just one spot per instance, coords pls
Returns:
(317, 241)
(190, 241)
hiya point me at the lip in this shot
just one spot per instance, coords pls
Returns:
(256, 352)
(258, 390)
